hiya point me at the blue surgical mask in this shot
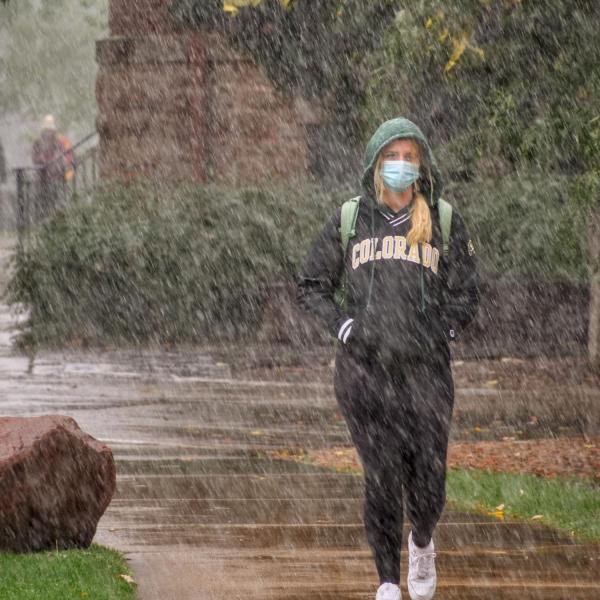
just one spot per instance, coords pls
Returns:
(399, 175)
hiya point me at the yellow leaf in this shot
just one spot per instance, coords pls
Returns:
(428, 23)
(479, 51)
(459, 47)
(128, 578)
(499, 514)
(444, 35)
(491, 383)
(256, 432)
(232, 6)
(537, 517)
(499, 507)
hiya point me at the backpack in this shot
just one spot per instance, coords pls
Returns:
(348, 230)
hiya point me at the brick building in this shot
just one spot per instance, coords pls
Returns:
(178, 105)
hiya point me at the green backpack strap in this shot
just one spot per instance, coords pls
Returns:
(445, 211)
(347, 231)
(348, 221)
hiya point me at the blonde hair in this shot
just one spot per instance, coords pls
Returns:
(420, 215)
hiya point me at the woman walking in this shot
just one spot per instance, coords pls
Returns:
(410, 287)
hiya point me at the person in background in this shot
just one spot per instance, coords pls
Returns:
(52, 155)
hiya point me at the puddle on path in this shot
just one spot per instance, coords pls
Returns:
(297, 529)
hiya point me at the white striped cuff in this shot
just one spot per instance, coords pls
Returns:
(344, 331)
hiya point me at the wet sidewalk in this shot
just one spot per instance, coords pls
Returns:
(202, 513)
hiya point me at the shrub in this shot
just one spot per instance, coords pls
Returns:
(143, 264)
(190, 264)
(530, 227)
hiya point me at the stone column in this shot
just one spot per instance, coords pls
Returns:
(181, 105)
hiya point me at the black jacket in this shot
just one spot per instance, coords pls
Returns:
(419, 301)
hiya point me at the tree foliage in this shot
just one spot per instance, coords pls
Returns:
(310, 48)
(502, 86)
(47, 62)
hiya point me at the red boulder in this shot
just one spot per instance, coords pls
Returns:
(56, 481)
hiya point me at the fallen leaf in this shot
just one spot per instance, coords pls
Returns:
(536, 517)
(128, 578)
(499, 514)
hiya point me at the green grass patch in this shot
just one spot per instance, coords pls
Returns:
(570, 505)
(93, 573)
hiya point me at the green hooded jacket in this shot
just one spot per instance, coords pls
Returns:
(431, 182)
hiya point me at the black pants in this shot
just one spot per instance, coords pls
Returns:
(399, 418)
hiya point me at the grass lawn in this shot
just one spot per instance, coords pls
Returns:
(94, 573)
(569, 504)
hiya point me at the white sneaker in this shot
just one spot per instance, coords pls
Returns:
(421, 571)
(388, 591)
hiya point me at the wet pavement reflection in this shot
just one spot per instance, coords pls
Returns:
(203, 513)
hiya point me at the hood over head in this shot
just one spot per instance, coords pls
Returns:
(430, 180)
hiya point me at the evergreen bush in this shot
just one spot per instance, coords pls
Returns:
(143, 264)
(190, 264)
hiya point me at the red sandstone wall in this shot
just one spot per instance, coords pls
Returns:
(135, 17)
(182, 105)
(254, 132)
(146, 120)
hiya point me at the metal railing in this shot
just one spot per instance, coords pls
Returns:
(40, 192)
